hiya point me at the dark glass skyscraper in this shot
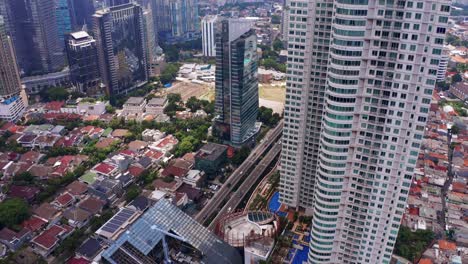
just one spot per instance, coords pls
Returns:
(32, 25)
(83, 61)
(236, 100)
(119, 33)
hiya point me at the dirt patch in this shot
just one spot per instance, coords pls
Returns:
(275, 91)
(189, 89)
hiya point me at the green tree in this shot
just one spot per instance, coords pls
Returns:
(13, 212)
(54, 94)
(174, 98)
(240, 155)
(411, 245)
(24, 178)
(194, 104)
(457, 78)
(132, 193)
(278, 45)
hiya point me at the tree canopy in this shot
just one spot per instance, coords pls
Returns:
(13, 212)
(411, 245)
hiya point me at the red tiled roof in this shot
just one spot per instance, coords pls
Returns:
(104, 168)
(34, 223)
(135, 171)
(50, 237)
(54, 105)
(413, 211)
(25, 192)
(92, 205)
(154, 154)
(30, 156)
(128, 152)
(77, 188)
(174, 171)
(64, 199)
(425, 261)
(78, 261)
(166, 141)
(446, 245)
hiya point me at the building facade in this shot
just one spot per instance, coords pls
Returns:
(81, 14)
(119, 34)
(359, 84)
(177, 20)
(83, 62)
(33, 27)
(13, 100)
(236, 88)
(64, 25)
(209, 36)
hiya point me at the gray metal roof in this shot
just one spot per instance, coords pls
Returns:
(166, 216)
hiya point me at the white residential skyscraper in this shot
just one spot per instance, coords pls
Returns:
(360, 78)
(208, 36)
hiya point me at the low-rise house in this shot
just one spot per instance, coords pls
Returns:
(165, 145)
(186, 114)
(77, 217)
(177, 168)
(106, 189)
(145, 162)
(156, 106)
(121, 161)
(27, 193)
(92, 132)
(134, 105)
(106, 143)
(64, 200)
(113, 228)
(210, 158)
(31, 157)
(47, 241)
(105, 169)
(93, 205)
(45, 141)
(150, 135)
(48, 212)
(34, 224)
(170, 187)
(154, 155)
(180, 199)
(459, 90)
(135, 171)
(77, 188)
(12, 239)
(27, 140)
(89, 249)
(40, 171)
(193, 178)
(88, 178)
(141, 203)
(137, 146)
(120, 133)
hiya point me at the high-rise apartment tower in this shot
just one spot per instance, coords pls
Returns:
(360, 78)
(12, 97)
(209, 35)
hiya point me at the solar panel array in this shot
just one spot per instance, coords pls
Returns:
(117, 221)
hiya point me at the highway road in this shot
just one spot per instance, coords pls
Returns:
(238, 196)
(222, 194)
